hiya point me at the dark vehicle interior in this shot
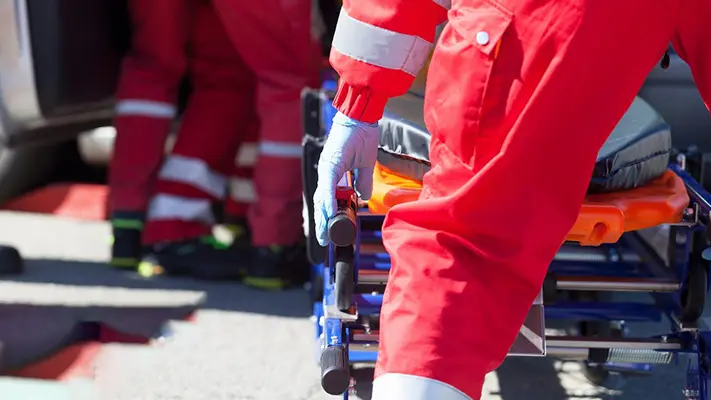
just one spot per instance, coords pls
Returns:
(77, 55)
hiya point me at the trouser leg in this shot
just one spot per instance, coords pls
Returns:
(521, 96)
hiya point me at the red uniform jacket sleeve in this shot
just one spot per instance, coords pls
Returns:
(378, 49)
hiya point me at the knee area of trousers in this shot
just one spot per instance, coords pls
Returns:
(391, 386)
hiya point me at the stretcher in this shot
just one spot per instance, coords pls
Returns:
(643, 228)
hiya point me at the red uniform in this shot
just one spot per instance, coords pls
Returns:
(172, 39)
(515, 87)
(271, 42)
(275, 39)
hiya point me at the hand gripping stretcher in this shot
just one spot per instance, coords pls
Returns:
(644, 228)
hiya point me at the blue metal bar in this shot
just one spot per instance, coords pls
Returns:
(696, 192)
(612, 311)
(369, 304)
(357, 356)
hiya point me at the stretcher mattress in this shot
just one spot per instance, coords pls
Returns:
(636, 152)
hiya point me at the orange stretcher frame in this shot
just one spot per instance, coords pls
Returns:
(603, 217)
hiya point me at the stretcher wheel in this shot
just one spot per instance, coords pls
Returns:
(10, 261)
(596, 373)
(335, 372)
(344, 278)
(693, 298)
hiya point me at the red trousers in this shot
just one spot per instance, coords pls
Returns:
(170, 40)
(274, 38)
(520, 97)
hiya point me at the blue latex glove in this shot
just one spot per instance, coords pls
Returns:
(351, 146)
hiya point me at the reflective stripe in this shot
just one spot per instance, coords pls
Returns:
(146, 108)
(194, 172)
(247, 155)
(411, 387)
(283, 150)
(165, 207)
(380, 47)
(444, 3)
(305, 215)
(242, 190)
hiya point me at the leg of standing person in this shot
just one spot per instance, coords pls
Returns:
(241, 194)
(521, 96)
(275, 39)
(194, 176)
(145, 109)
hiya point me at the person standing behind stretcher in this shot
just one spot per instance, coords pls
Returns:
(172, 38)
(510, 82)
(234, 44)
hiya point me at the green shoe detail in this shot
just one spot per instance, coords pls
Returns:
(265, 283)
(127, 224)
(215, 243)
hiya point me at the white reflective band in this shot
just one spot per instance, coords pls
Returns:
(380, 47)
(305, 215)
(166, 207)
(444, 3)
(247, 155)
(411, 387)
(242, 190)
(145, 108)
(194, 172)
(282, 150)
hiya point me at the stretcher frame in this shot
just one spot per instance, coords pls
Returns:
(348, 286)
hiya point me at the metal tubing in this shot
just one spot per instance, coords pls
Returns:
(616, 284)
(595, 254)
(607, 284)
(360, 336)
(611, 343)
(696, 192)
(560, 346)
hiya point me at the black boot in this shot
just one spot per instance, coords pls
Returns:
(201, 258)
(126, 249)
(278, 267)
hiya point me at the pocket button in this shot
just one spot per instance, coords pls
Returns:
(482, 38)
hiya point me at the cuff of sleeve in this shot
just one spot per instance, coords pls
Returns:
(360, 103)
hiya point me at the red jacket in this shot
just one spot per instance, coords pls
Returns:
(378, 49)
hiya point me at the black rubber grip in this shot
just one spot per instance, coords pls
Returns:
(344, 285)
(342, 227)
(335, 374)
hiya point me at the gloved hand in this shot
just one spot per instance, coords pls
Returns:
(351, 146)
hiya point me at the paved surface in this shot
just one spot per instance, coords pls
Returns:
(244, 345)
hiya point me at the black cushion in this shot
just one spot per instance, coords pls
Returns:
(636, 152)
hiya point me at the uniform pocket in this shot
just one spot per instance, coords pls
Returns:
(462, 65)
(482, 23)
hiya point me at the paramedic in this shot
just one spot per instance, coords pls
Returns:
(520, 97)
(280, 41)
(171, 39)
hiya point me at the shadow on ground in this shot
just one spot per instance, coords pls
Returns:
(225, 296)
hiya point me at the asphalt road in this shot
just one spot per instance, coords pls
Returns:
(245, 344)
